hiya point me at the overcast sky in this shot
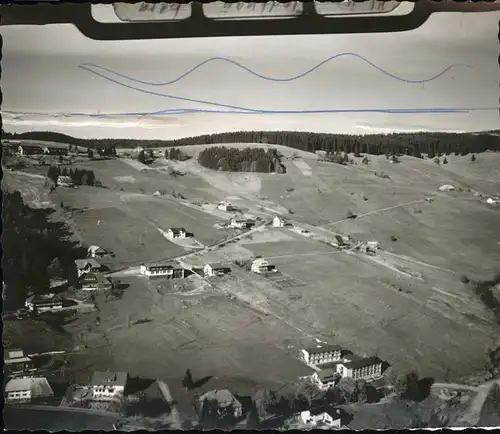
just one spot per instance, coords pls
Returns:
(41, 75)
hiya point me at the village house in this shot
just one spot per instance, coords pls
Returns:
(225, 401)
(25, 149)
(241, 223)
(210, 270)
(64, 181)
(84, 266)
(108, 386)
(225, 206)
(325, 378)
(94, 282)
(360, 368)
(322, 355)
(16, 362)
(26, 389)
(96, 252)
(169, 270)
(325, 416)
(177, 233)
(280, 222)
(51, 150)
(44, 302)
(261, 266)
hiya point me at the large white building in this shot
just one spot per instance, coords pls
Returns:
(44, 302)
(108, 386)
(177, 233)
(280, 222)
(360, 368)
(321, 355)
(167, 270)
(215, 269)
(26, 389)
(327, 417)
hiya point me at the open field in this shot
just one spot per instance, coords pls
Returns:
(405, 304)
(209, 334)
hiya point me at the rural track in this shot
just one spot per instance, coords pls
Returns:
(374, 212)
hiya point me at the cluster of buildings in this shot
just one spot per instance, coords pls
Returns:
(39, 149)
(332, 363)
(241, 223)
(89, 271)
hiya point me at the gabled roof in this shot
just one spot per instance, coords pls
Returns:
(95, 249)
(40, 298)
(333, 412)
(326, 375)
(109, 379)
(83, 263)
(361, 363)
(177, 229)
(324, 349)
(38, 386)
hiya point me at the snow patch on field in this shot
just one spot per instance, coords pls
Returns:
(129, 179)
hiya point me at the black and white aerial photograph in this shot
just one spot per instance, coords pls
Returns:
(251, 215)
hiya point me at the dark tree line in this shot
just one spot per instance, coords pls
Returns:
(176, 154)
(431, 143)
(78, 176)
(241, 160)
(31, 243)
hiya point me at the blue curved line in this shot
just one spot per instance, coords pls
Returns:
(275, 79)
(238, 109)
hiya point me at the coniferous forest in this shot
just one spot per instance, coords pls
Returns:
(241, 160)
(34, 248)
(431, 143)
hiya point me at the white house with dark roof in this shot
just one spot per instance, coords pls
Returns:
(262, 266)
(84, 266)
(95, 282)
(26, 389)
(44, 302)
(225, 206)
(177, 233)
(108, 386)
(16, 362)
(239, 223)
(96, 252)
(321, 355)
(360, 368)
(325, 378)
(169, 270)
(215, 269)
(65, 181)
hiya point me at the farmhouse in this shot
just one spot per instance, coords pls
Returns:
(96, 252)
(322, 416)
(169, 270)
(177, 233)
(325, 378)
(321, 355)
(108, 386)
(51, 150)
(94, 282)
(225, 402)
(84, 266)
(26, 389)
(280, 222)
(241, 223)
(215, 270)
(44, 303)
(260, 265)
(225, 206)
(24, 150)
(16, 362)
(361, 369)
(65, 181)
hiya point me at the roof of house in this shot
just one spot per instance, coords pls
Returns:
(260, 261)
(44, 298)
(15, 353)
(217, 265)
(38, 386)
(326, 375)
(163, 265)
(361, 363)
(94, 249)
(109, 378)
(223, 397)
(323, 349)
(177, 229)
(334, 412)
(83, 263)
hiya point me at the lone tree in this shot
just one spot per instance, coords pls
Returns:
(365, 160)
(406, 386)
(141, 157)
(347, 388)
(445, 161)
(350, 214)
(90, 153)
(473, 158)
